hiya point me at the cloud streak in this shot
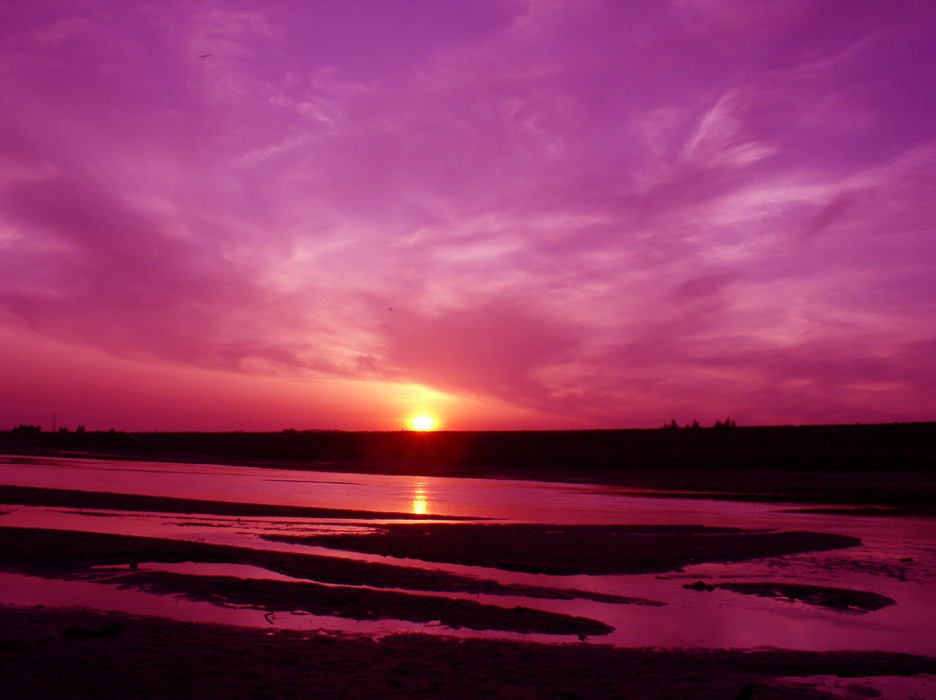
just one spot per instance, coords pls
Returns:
(573, 213)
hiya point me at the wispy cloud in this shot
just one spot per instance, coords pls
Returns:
(588, 211)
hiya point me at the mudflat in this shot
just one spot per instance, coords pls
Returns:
(346, 588)
(44, 655)
(576, 549)
(46, 652)
(79, 653)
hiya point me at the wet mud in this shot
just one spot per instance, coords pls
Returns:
(839, 599)
(575, 549)
(71, 554)
(338, 587)
(155, 658)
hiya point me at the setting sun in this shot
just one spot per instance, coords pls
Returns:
(422, 423)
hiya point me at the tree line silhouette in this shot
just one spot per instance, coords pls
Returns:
(673, 425)
(24, 429)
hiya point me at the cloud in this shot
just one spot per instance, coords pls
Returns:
(601, 210)
(719, 140)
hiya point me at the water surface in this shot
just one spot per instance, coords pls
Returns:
(716, 619)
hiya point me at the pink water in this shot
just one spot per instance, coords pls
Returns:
(718, 619)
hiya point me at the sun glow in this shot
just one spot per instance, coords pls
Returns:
(422, 422)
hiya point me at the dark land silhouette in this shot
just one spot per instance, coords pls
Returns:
(886, 464)
(789, 448)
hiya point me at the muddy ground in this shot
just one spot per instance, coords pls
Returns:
(44, 655)
(575, 549)
(345, 587)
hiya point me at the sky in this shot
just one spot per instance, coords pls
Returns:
(506, 214)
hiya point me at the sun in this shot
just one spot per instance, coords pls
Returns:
(422, 422)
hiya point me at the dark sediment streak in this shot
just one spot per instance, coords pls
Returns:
(841, 599)
(576, 549)
(68, 554)
(363, 604)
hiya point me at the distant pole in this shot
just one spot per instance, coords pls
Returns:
(54, 418)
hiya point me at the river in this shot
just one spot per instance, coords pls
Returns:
(897, 557)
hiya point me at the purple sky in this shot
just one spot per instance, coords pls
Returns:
(505, 213)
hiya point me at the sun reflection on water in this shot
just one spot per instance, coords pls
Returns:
(420, 500)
